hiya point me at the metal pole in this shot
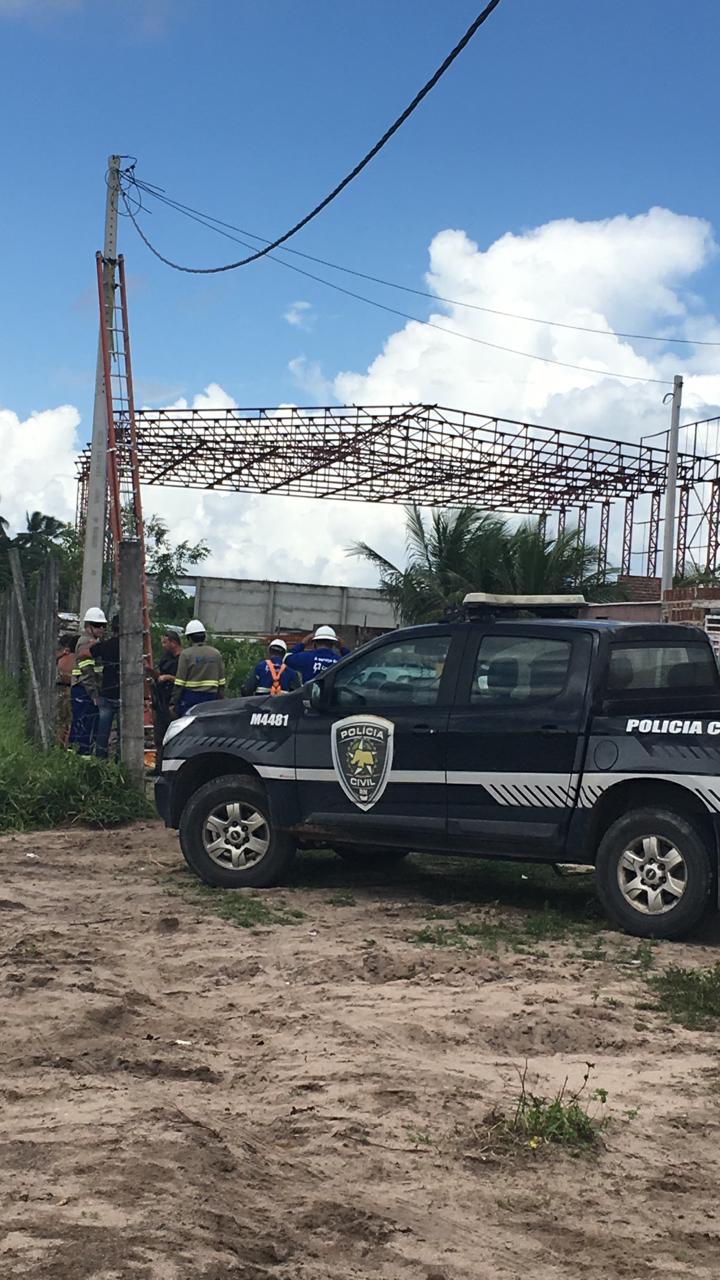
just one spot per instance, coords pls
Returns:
(132, 682)
(671, 485)
(94, 547)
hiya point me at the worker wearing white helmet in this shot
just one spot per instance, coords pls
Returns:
(85, 683)
(272, 675)
(200, 675)
(325, 650)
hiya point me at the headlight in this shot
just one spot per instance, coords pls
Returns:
(176, 727)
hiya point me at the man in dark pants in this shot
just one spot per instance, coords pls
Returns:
(85, 684)
(162, 689)
(107, 652)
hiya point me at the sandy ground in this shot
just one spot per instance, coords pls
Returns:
(184, 1099)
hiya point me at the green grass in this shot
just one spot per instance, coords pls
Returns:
(50, 789)
(690, 996)
(245, 909)
(521, 933)
(342, 898)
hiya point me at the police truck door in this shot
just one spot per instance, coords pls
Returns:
(370, 760)
(515, 737)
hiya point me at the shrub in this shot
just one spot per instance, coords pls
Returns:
(48, 789)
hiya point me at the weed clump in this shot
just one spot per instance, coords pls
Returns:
(690, 996)
(570, 1119)
(48, 789)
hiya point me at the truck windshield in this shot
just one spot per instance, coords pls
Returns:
(654, 667)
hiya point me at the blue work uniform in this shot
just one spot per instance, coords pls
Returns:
(266, 674)
(312, 662)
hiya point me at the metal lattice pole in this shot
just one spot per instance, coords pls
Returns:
(627, 536)
(653, 531)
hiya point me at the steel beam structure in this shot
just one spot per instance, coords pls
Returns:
(682, 529)
(653, 532)
(713, 541)
(627, 536)
(420, 453)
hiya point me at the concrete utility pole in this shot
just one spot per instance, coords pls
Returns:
(132, 667)
(91, 592)
(668, 560)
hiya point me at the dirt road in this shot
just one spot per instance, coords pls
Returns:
(306, 1099)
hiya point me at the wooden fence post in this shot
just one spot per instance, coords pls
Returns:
(19, 585)
(10, 639)
(45, 633)
(132, 668)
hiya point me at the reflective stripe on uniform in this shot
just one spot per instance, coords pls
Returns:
(199, 684)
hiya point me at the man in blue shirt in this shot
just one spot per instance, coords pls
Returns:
(272, 675)
(325, 652)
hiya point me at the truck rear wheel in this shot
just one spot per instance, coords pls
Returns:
(228, 838)
(654, 873)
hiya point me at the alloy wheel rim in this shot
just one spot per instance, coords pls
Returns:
(235, 835)
(652, 875)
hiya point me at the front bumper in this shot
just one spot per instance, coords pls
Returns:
(163, 799)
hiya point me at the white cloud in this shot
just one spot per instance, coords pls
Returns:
(629, 274)
(626, 274)
(299, 314)
(310, 379)
(38, 463)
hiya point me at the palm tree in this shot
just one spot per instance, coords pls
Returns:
(536, 564)
(457, 553)
(471, 550)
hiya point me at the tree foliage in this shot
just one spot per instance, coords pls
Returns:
(44, 535)
(169, 564)
(468, 550)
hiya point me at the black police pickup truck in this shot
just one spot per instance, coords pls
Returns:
(540, 739)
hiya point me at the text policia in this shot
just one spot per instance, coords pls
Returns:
(688, 727)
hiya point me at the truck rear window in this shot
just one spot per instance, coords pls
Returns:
(674, 667)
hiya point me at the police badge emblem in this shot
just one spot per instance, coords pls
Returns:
(362, 752)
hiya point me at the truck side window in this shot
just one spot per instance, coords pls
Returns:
(516, 669)
(639, 667)
(406, 672)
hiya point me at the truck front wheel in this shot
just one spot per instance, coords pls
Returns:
(228, 838)
(654, 873)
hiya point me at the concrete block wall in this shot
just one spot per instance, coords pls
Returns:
(247, 607)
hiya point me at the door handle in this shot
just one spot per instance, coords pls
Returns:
(553, 731)
(423, 729)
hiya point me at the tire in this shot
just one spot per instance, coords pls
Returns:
(369, 856)
(634, 855)
(232, 813)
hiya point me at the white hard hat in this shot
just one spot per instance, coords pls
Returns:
(325, 633)
(278, 644)
(195, 628)
(96, 616)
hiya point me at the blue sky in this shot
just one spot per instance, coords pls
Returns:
(252, 110)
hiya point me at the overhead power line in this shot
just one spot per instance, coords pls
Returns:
(207, 219)
(405, 315)
(362, 164)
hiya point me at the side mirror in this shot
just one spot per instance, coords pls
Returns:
(319, 698)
